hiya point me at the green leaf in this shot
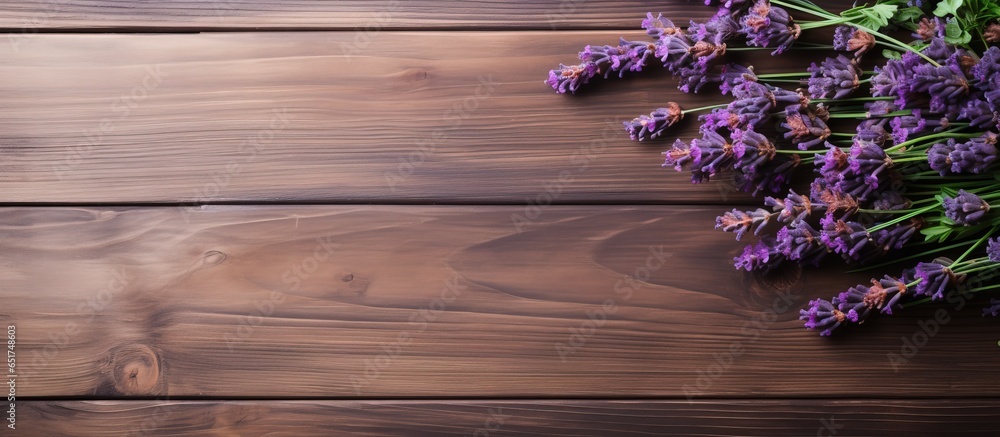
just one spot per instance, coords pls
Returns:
(910, 15)
(953, 33)
(874, 17)
(947, 7)
(891, 54)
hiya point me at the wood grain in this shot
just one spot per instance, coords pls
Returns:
(403, 301)
(190, 15)
(771, 418)
(445, 117)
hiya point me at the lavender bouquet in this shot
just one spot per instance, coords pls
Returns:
(909, 167)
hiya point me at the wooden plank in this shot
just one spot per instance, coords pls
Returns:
(31, 15)
(852, 417)
(401, 301)
(263, 117)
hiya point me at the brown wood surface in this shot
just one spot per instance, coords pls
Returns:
(260, 117)
(25, 16)
(770, 418)
(343, 301)
(467, 305)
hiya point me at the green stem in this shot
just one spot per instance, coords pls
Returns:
(900, 219)
(977, 244)
(953, 246)
(704, 108)
(829, 16)
(923, 138)
(973, 290)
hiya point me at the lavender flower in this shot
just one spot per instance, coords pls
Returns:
(752, 150)
(834, 78)
(936, 278)
(753, 103)
(993, 309)
(772, 177)
(793, 208)
(928, 29)
(822, 315)
(716, 153)
(907, 126)
(845, 238)
(682, 154)
(769, 26)
(883, 294)
(939, 156)
(571, 77)
(873, 131)
(945, 84)
(980, 114)
(993, 249)
(879, 108)
(626, 56)
(894, 78)
(655, 124)
(657, 26)
(717, 30)
(733, 74)
(805, 129)
(800, 242)
(850, 39)
(739, 222)
(673, 47)
(867, 168)
(762, 256)
(966, 208)
(987, 73)
(974, 156)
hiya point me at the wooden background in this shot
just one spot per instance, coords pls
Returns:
(249, 217)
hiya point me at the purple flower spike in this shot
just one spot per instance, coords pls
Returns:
(769, 26)
(646, 127)
(936, 279)
(752, 104)
(907, 126)
(850, 39)
(939, 156)
(800, 242)
(626, 56)
(822, 315)
(762, 257)
(739, 222)
(974, 156)
(732, 75)
(674, 49)
(844, 237)
(873, 131)
(894, 78)
(805, 129)
(657, 26)
(571, 77)
(980, 114)
(716, 153)
(834, 78)
(966, 208)
(993, 309)
(945, 84)
(993, 249)
(682, 154)
(883, 294)
(752, 149)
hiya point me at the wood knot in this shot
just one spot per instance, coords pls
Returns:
(348, 278)
(133, 370)
(761, 289)
(213, 258)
